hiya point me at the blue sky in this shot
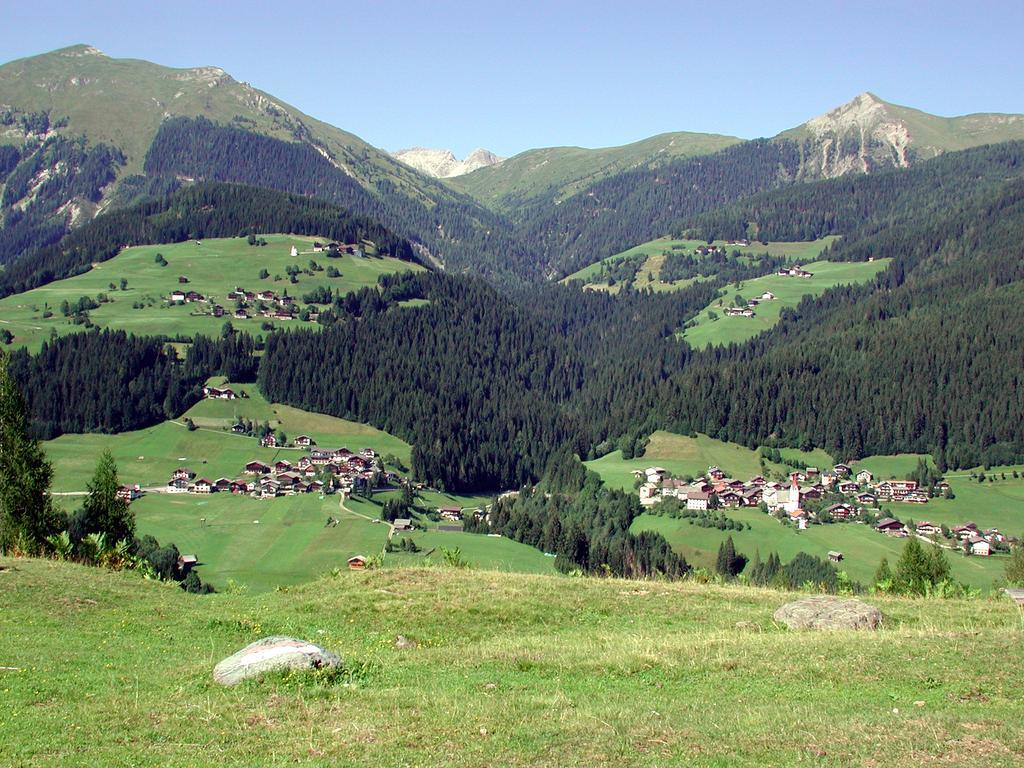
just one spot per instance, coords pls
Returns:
(510, 76)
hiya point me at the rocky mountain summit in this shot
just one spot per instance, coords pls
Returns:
(442, 163)
(867, 134)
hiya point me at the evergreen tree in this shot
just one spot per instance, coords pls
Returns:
(1015, 565)
(913, 569)
(27, 515)
(103, 512)
(883, 574)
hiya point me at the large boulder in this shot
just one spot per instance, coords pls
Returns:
(271, 654)
(829, 612)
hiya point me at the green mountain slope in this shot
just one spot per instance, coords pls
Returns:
(554, 173)
(77, 99)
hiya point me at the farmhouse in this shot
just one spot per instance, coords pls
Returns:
(450, 513)
(357, 563)
(924, 528)
(177, 485)
(794, 271)
(129, 492)
(178, 297)
(864, 476)
(182, 473)
(304, 441)
(891, 527)
(866, 498)
(980, 547)
(203, 486)
(739, 312)
(217, 393)
(766, 296)
(842, 511)
(268, 440)
(835, 557)
(403, 524)
(842, 469)
(847, 486)
(256, 468)
(697, 500)
(895, 490)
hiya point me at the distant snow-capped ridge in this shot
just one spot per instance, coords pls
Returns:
(442, 164)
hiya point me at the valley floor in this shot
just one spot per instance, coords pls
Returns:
(105, 669)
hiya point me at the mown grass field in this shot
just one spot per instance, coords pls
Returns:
(788, 293)
(682, 455)
(259, 544)
(492, 552)
(104, 669)
(214, 268)
(149, 456)
(327, 431)
(862, 547)
(654, 254)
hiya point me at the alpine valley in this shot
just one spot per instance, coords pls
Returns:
(398, 399)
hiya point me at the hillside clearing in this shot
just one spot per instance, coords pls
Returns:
(720, 330)
(213, 268)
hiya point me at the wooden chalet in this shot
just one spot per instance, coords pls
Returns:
(891, 527)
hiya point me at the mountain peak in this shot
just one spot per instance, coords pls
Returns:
(442, 163)
(80, 50)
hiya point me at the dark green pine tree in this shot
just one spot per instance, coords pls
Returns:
(103, 511)
(726, 561)
(27, 515)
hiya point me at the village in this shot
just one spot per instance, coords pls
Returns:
(323, 471)
(804, 501)
(268, 304)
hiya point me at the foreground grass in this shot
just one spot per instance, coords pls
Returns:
(510, 670)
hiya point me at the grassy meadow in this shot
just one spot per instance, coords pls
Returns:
(862, 547)
(682, 455)
(510, 669)
(149, 456)
(214, 268)
(654, 258)
(789, 291)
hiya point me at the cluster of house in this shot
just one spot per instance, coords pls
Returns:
(748, 311)
(277, 306)
(336, 248)
(779, 498)
(979, 542)
(346, 470)
(794, 271)
(280, 306)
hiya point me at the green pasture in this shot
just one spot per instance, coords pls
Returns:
(480, 551)
(213, 267)
(789, 291)
(680, 455)
(861, 546)
(260, 544)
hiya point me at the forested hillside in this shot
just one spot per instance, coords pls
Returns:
(202, 210)
(860, 203)
(928, 359)
(639, 205)
(454, 229)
